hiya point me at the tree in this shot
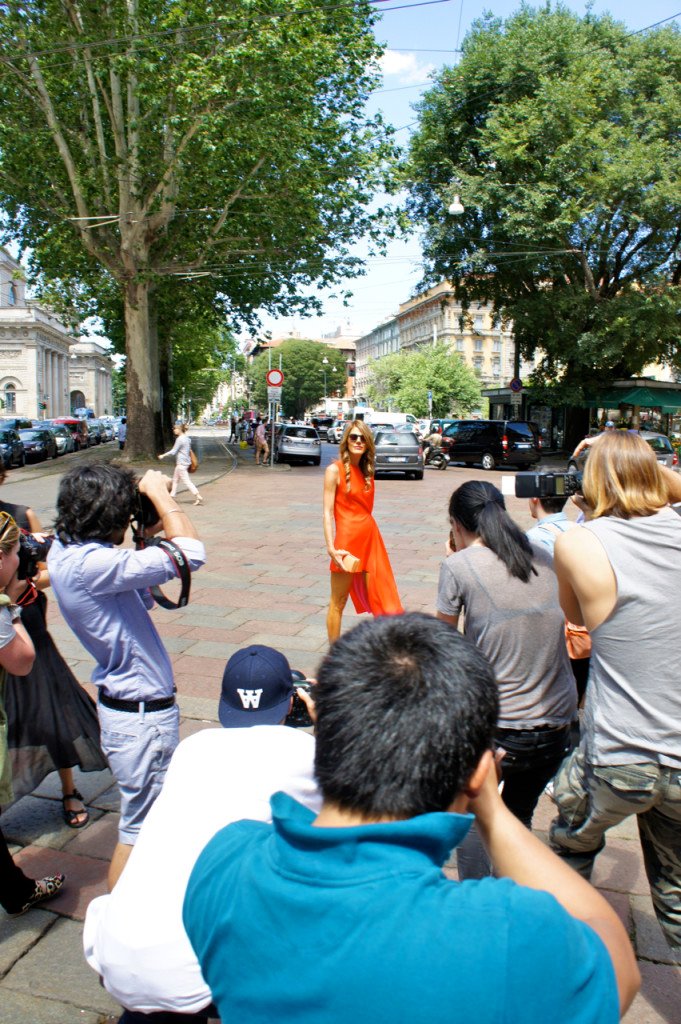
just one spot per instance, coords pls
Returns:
(304, 375)
(561, 135)
(405, 378)
(143, 141)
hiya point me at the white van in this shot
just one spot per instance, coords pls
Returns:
(376, 416)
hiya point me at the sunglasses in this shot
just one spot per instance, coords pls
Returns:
(357, 438)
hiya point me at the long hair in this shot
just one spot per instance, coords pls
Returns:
(622, 477)
(366, 463)
(9, 532)
(480, 508)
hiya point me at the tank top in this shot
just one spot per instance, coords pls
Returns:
(632, 713)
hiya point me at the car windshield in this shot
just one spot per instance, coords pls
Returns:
(31, 435)
(522, 431)
(659, 443)
(395, 438)
(308, 432)
(5, 438)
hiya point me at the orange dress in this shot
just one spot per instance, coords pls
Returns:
(373, 588)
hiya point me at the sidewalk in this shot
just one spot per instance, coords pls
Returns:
(265, 582)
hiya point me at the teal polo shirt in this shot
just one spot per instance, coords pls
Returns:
(360, 925)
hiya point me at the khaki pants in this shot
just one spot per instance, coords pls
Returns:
(593, 798)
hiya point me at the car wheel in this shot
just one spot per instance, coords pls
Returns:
(487, 461)
(22, 460)
(317, 462)
(56, 453)
(418, 476)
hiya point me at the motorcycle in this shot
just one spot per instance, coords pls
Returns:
(435, 457)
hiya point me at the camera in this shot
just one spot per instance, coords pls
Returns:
(547, 485)
(299, 717)
(31, 551)
(144, 513)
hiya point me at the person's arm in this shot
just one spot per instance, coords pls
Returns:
(173, 450)
(448, 603)
(587, 587)
(17, 653)
(519, 855)
(42, 580)
(175, 522)
(673, 482)
(453, 620)
(581, 446)
(331, 482)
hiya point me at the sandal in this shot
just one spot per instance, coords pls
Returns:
(71, 817)
(45, 889)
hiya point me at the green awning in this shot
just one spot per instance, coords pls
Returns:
(666, 399)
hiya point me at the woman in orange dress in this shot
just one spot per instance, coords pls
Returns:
(348, 504)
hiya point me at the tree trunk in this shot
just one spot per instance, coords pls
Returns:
(144, 438)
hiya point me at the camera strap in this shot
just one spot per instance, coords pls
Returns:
(177, 557)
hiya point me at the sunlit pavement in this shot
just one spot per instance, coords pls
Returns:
(266, 581)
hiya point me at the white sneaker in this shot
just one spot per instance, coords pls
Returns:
(199, 500)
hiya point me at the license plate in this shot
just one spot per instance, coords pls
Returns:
(523, 446)
(397, 458)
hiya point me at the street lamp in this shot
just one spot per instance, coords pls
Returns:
(325, 363)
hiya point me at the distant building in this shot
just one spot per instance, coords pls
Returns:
(90, 368)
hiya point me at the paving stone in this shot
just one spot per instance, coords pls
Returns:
(659, 1000)
(39, 821)
(19, 934)
(19, 1008)
(650, 940)
(55, 969)
(98, 839)
(203, 708)
(620, 867)
(85, 877)
(208, 649)
(90, 784)
(109, 800)
(621, 904)
(292, 643)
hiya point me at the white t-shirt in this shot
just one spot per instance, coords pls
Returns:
(134, 937)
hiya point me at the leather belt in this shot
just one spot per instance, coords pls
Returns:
(134, 705)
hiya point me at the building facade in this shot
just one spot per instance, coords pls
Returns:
(90, 369)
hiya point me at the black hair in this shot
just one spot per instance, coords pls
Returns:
(552, 505)
(94, 502)
(480, 508)
(406, 707)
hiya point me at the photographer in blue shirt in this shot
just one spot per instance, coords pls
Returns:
(348, 915)
(103, 593)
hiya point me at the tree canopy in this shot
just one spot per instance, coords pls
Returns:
(561, 136)
(143, 140)
(304, 375)
(404, 379)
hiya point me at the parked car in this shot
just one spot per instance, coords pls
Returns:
(336, 430)
(11, 449)
(399, 451)
(15, 423)
(491, 443)
(660, 443)
(78, 429)
(293, 442)
(96, 431)
(64, 438)
(39, 444)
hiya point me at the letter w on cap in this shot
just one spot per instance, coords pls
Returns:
(250, 698)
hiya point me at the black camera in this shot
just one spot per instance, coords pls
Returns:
(547, 485)
(299, 717)
(31, 551)
(144, 513)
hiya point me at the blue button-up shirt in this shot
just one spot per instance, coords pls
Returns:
(102, 592)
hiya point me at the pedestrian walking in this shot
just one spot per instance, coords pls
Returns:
(262, 449)
(122, 433)
(183, 460)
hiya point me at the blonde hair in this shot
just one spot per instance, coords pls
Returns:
(622, 477)
(9, 532)
(366, 463)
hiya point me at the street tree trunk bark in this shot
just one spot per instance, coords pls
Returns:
(142, 374)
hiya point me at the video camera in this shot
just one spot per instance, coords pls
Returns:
(546, 485)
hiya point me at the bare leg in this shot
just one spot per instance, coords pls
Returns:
(73, 803)
(118, 862)
(341, 582)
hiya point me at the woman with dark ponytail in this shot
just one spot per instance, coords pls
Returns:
(508, 591)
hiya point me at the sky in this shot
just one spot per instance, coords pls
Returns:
(420, 38)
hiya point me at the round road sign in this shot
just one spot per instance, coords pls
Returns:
(275, 378)
(516, 385)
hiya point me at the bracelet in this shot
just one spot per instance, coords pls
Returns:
(170, 511)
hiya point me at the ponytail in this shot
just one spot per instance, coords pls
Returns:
(480, 508)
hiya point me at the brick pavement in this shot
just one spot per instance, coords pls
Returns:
(265, 582)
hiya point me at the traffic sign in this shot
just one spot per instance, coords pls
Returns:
(274, 394)
(516, 398)
(275, 378)
(516, 385)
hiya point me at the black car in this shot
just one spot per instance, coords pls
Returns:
(491, 443)
(39, 445)
(398, 451)
(11, 449)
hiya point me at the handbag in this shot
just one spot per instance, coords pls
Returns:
(577, 641)
(194, 465)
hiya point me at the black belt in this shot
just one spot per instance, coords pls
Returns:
(134, 705)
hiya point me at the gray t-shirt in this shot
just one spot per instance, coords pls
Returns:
(520, 628)
(632, 712)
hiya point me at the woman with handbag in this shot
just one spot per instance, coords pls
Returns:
(509, 594)
(185, 462)
(360, 567)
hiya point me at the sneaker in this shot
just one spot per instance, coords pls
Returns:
(199, 500)
(44, 889)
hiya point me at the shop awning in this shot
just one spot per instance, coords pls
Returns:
(666, 399)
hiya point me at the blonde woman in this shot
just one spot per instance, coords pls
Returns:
(18, 893)
(181, 450)
(351, 530)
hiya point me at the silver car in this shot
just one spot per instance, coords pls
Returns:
(294, 442)
(399, 451)
(660, 443)
(336, 431)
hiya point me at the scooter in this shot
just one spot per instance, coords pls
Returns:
(436, 458)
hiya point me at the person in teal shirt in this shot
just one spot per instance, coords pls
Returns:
(348, 916)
